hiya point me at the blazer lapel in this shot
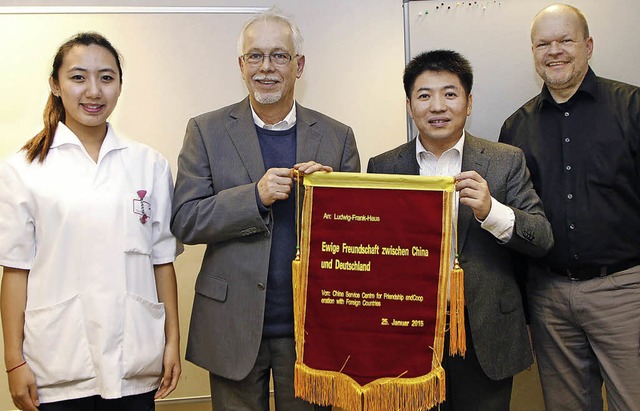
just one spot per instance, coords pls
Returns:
(307, 139)
(407, 162)
(473, 158)
(242, 131)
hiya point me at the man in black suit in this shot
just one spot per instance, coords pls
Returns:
(499, 215)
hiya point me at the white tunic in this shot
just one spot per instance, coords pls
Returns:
(93, 324)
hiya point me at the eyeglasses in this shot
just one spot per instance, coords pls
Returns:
(279, 58)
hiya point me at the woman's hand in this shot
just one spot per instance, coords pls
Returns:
(22, 386)
(171, 370)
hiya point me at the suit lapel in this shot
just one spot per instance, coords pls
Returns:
(242, 131)
(307, 139)
(407, 162)
(473, 158)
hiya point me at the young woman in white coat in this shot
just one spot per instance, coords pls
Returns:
(89, 300)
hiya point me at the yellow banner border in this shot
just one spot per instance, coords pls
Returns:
(382, 181)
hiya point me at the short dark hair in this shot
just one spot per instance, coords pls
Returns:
(442, 61)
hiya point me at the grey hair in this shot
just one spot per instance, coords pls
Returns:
(273, 14)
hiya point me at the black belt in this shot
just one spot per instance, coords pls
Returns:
(587, 272)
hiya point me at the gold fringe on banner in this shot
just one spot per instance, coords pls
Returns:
(407, 394)
(337, 389)
(328, 388)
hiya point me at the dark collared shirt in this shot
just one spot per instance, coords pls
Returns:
(584, 158)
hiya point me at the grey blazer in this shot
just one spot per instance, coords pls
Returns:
(215, 204)
(492, 295)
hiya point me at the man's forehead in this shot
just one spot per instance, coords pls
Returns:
(551, 23)
(265, 27)
(270, 33)
(439, 79)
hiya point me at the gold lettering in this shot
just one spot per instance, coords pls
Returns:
(417, 251)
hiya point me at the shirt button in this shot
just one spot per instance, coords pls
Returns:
(571, 226)
(261, 286)
(568, 168)
(566, 140)
(267, 234)
(576, 257)
(569, 196)
(566, 114)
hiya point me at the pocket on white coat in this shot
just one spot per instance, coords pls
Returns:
(143, 337)
(56, 345)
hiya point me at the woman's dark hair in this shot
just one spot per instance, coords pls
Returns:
(38, 146)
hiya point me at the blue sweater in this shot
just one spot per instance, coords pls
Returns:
(279, 150)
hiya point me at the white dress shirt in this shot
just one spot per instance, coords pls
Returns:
(501, 219)
(282, 125)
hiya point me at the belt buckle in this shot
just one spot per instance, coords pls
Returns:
(570, 275)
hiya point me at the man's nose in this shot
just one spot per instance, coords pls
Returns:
(438, 103)
(266, 64)
(555, 48)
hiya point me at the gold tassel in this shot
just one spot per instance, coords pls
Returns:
(457, 333)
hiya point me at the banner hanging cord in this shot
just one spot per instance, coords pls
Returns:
(297, 186)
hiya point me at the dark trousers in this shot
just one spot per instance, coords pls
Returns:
(276, 359)
(140, 402)
(468, 387)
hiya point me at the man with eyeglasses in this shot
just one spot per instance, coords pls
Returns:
(233, 194)
(581, 136)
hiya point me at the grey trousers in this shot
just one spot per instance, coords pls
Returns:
(276, 357)
(586, 333)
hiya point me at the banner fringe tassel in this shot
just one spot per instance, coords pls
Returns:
(327, 388)
(457, 334)
(333, 388)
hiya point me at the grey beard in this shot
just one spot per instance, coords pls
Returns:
(267, 98)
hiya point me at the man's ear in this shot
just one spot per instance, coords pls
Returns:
(300, 67)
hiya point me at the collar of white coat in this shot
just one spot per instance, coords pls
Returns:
(64, 135)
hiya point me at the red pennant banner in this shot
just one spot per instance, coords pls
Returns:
(370, 302)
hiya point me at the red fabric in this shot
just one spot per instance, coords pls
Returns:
(336, 332)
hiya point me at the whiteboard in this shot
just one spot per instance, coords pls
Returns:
(495, 36)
